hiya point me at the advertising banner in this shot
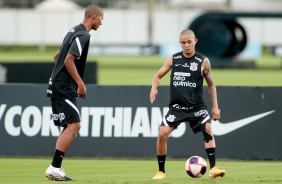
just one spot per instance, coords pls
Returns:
(38, 72)
(120, 121)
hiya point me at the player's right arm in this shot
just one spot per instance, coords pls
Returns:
(71, 68)
(56, 56)
(156, 79)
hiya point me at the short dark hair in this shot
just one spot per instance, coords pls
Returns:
(93, 9)
(187, 32)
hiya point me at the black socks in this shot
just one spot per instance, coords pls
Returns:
(58, 159)
(161, 162)
(211, 156)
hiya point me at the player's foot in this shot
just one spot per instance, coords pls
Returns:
(215, 172)
(57, 174)
(159, 175)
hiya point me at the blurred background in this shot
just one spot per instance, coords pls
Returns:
(232, 33)
(242, 38)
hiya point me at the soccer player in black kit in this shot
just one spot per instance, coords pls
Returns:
(188, 68)
(66, 84)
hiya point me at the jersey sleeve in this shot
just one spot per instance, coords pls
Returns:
(78, 44)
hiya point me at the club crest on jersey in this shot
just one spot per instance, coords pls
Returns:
(170, 118)
(193, 66)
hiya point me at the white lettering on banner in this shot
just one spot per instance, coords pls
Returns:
(95, 121)
(156, 119)
(2, 109)
(141, 123)
(83, 132)
(180, 130)
(33, 128)
(47, 123)
(113, 122)
(127, 116)
(9, 120)
(97, 114)
(31, 121)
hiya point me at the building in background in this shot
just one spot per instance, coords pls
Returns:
(140, 26)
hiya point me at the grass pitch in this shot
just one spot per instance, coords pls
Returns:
(139, 70)
(122, 171)
(121, 70)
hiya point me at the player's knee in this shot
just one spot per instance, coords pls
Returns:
(208, 128)
(74, 127)
(163, 136)
(207, 132)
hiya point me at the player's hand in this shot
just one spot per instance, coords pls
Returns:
(81, 91)
(153, 94)
(215, 113)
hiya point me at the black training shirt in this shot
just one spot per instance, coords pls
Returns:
(61, 84)
(186, 81)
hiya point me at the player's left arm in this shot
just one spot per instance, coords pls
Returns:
(206, 72)
(71, 68)
(75, 52)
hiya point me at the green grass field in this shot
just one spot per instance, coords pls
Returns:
(139, 70)
(114, 171)
(121, 70)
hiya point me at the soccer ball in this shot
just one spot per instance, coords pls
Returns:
(195, 166)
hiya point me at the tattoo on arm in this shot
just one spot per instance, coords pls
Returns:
(208, 77)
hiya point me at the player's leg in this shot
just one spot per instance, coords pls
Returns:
(209, 143)
(162, 139)
(162, 150)
(67, 136)
(65, 114)
(210, 147)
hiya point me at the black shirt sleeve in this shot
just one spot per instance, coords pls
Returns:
(78, 44)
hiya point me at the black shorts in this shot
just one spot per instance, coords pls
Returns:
(195, 117)
(64, 111)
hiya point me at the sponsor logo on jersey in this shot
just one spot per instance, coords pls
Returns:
(199, 59)
(179, 80)
(184, 83)
(60, 116)
(201, 113)
(184, 74)
(185, 65)
(177, 57)
(72, 30)
(177, 106)
(193, 66)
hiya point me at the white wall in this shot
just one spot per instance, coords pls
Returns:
(26, 27)
(256, 5)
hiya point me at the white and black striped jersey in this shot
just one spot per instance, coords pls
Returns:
(61, 84)
(186, 81)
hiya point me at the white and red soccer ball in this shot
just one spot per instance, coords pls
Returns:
(195, 166)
